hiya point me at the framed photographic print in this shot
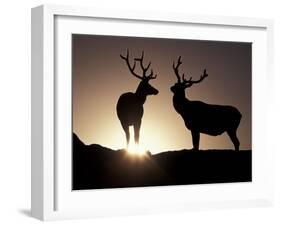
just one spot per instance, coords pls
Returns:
(134, 112)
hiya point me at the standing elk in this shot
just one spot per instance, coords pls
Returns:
(130, 105)
(204, 118)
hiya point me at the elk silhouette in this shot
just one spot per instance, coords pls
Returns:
(200, 117)
(130, 105)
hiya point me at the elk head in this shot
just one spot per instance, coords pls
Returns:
(182, 83)
(144, 88)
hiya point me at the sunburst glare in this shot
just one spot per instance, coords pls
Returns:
(135, 149)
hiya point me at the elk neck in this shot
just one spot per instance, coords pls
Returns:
(179, 101)
(141, 95)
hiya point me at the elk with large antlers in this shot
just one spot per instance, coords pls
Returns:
(130, 105)
(200, 117)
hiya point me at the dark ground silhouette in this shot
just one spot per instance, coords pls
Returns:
(97, 167)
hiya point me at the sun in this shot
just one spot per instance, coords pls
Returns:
(136, 149)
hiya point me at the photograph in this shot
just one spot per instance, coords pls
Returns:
(150, 111)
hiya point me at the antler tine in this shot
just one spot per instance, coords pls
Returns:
(144, 68)
(204, 73)
(125, 58)
(148, 66)
(190, 82)
(186, 81)
(151, 76)
(129, 66)
(176, 68)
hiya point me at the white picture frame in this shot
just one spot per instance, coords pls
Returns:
(50, 25)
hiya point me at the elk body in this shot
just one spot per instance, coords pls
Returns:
(204, 118)
(130, 105)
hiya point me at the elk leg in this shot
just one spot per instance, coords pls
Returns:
(234, 139)
(126, 129)
(137, 132)
(195, 139)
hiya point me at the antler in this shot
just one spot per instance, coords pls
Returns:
(129, 66)
(144, 68)
(176, 69)
(190, 82)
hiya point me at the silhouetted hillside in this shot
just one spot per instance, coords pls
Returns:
(95, 166)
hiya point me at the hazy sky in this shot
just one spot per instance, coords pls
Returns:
(100, 76)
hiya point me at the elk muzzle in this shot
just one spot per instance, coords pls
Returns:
(156, 92)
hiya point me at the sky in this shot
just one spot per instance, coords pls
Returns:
(100, 76)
